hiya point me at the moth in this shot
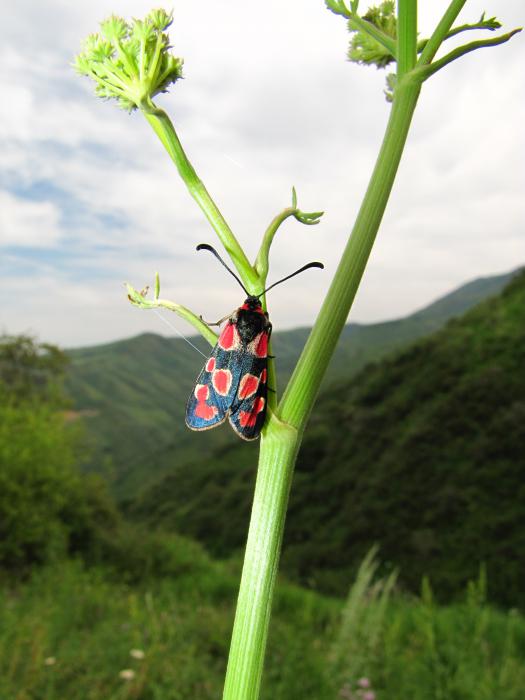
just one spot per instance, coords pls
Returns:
(233, 383)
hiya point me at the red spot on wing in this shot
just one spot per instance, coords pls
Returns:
(222, 381)
(248, 386)
(259, 345)
(247, 419)
(202, 409)
(201, 391)
(263, 376)
(210, 365)
(229, 338)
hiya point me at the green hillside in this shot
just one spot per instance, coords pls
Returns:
(422, 452)
(132, 393)
(95, 606)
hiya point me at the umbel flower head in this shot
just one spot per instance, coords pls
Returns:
(130, 62)
(366, 49)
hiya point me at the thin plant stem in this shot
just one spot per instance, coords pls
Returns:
(441, 31)
(164, 129)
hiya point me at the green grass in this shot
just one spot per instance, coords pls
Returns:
(89, 625)
(67, 634)
(414, 648)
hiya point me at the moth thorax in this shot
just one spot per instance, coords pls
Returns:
(250, 324)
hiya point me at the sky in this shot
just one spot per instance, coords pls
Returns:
(89, 199)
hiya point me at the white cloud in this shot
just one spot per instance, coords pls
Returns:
(27, 223)
(268, 102)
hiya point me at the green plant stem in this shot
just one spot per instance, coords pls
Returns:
(283, 432)
(262, 261)
(197, 322)
(279, 447)
(472, 27)
(138, 299)
(441, 31)
(407, 37)
(429, 70)
(304, 384)
(164, 129)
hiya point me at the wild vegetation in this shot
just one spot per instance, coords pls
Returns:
(84, 633)
(97, 604)
(131, 62)
(132, 393)
(421, 452)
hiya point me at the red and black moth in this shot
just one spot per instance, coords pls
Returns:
(233, 383)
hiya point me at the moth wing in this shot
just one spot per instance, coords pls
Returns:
(248, 409)
(216, 385)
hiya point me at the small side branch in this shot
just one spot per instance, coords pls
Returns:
(139, 299)
(441, 31)
(427, 71)
(490, 25)
(261, 265)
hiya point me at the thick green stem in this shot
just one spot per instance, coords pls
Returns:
(245, 663)
(164, 129)
(406, 36)
(281, 440)
(302, 389)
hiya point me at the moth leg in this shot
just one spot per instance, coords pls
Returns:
(216, 323)
(269, 329)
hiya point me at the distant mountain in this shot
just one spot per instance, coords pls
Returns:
(422, 452)
(132, 393)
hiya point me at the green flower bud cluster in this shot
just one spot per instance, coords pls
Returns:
(364, 47)
(130, 62)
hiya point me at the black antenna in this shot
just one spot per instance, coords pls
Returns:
(302, 269)
(206, 246)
